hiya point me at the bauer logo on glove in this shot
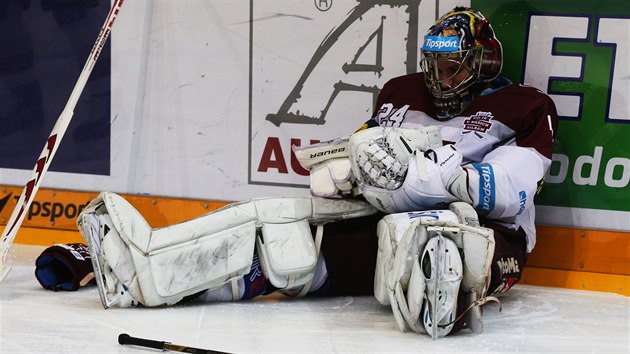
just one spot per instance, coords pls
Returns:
(329, 167)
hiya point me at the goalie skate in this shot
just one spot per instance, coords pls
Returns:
(442, 268)
(110, 289)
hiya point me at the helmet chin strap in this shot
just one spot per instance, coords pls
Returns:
(449, 107)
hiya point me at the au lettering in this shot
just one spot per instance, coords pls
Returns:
(273, 157)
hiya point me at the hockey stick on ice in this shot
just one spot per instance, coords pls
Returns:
(52, 143)
(124, 338)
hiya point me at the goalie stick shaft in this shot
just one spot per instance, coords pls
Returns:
(124, 338)
(52, 143)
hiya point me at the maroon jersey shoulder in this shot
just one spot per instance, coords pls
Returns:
(409, 90)
(529, 112)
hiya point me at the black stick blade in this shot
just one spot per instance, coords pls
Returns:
(124, 338)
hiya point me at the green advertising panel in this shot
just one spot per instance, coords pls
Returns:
(577, 51)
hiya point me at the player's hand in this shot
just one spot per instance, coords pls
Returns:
(434, 179)
(378, 165)
(380, 155)
(332, 178)
(329, 166)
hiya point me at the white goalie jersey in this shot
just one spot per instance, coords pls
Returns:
(505, 137)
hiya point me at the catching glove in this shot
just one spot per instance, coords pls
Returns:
(434, 179)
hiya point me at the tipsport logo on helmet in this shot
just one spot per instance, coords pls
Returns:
(440, 44)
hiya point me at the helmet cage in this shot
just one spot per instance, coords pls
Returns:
(466, 38)
(446, 86)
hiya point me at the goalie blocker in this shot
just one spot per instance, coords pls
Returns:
(135, 263)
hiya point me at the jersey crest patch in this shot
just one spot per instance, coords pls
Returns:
(478, 124)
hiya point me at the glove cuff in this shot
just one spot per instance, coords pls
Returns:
(459, 187)
(64, 267)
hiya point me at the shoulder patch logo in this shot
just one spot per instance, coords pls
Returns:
(478, 124)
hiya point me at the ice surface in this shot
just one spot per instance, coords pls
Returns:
(534, 319)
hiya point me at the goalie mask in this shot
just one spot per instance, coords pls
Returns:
(459, 50)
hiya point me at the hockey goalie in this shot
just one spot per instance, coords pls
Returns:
(429, 207)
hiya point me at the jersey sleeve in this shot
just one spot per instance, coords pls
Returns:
(505, 182)
(383, 96)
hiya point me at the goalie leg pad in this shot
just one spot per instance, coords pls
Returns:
(398, 280)
(163, 265)
(391, 230)
(96, 224)
(442, 271)
(402, 279)
(287, 253)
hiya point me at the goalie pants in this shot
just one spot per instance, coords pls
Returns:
(350, 248)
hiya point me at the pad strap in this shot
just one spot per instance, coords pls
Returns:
(319, 234)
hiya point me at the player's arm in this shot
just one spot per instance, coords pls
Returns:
(501, 186)
(505, 182)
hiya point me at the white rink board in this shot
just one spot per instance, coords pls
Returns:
(533, 319)
(182, 124)
(194, 83)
